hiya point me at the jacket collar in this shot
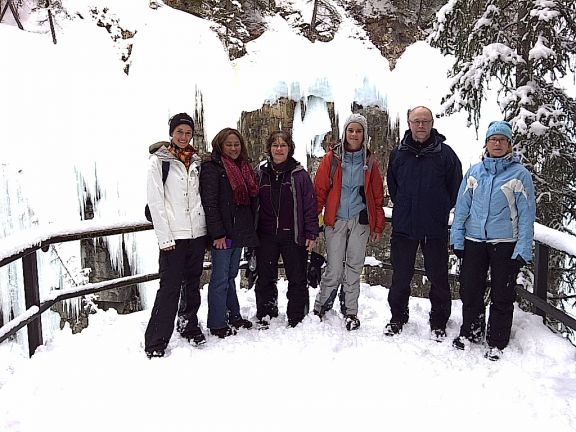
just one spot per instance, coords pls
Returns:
(432, 145)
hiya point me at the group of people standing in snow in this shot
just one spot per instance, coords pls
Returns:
(276, 210)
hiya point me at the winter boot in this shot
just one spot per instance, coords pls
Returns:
(195, 336)
(262, 324)
(438, 334)
(241, 323)
(393, 328)
(155, 353)
(352, 322)
(223, 332)
(493, 353)
(460, 343)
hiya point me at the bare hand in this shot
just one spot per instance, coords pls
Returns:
(310, 245)
(219, 243)
(168, 248)
(375, 237)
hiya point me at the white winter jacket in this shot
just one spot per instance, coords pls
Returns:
(175, 206)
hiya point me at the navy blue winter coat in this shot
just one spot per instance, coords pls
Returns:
(423, 181)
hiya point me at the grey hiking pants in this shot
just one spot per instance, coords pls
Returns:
(345, 251)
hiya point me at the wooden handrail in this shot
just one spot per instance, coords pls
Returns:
(74, 236)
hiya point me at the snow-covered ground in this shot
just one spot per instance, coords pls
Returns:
(70, 120)
(317, 376)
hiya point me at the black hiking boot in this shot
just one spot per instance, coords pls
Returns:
(241, 323)
(198, 340)
(195, 336)
(223, 332)
(393, 328)
(438, 334)
(493, 353)
(352, 322)
(155, 353)
(293, 322)
(460, 343)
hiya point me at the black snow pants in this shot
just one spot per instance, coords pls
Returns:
(403, 258)
(478, 258)
(180, 270)
(295, 259)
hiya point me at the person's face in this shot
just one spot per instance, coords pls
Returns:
(232, 147)
(182, 135)
(279, 150)
(420, 122)
(498, 146)
(354, 136)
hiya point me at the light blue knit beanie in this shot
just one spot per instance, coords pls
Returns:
(499, 127)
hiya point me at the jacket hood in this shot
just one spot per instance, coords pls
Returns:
(156, 146)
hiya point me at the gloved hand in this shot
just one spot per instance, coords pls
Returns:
(459, 253)
(518, 263)
(515, 265)
(250, 273)
(315, 269)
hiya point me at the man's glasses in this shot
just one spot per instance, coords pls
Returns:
(498, 140)
(420, 122)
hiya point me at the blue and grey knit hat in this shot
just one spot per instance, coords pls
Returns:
(499, 127)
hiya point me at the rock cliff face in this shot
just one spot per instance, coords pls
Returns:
(391, 25)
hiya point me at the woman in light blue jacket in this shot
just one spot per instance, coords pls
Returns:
(493, 229)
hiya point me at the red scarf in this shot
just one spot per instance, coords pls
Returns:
(242, 179)
(182, 154)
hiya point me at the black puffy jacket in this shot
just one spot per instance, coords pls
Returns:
(423, 181)
(223, 217)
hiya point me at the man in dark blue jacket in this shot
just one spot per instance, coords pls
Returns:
(423, 178)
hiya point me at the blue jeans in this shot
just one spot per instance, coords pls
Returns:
(223, 306)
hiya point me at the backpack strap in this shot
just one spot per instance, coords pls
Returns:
(333, 166)
(165, 169)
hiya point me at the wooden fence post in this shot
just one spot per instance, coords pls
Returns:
(541, 255)
(32, 298)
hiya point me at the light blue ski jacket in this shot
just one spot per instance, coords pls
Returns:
(496, 204)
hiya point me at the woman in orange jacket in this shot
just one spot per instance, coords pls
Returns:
(350, 191)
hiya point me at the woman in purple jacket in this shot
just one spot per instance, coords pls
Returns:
(287, 225)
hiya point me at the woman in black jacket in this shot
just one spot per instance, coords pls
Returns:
(228, 190)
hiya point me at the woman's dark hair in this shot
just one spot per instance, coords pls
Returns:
(280, 134)
(218, 142)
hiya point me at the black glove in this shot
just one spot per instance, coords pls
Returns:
(515, 265)
(518, 263)
(459, 253)
(315, 269)
(250, 273)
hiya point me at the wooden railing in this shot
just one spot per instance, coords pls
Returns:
(35, 307)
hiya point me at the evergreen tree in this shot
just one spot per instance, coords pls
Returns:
(525, 48)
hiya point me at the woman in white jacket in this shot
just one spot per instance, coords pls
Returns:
(180, 227)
